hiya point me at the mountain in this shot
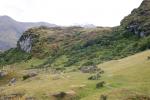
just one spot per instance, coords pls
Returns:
(11, 30)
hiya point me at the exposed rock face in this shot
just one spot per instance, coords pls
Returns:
(136, 29)
(26, 41)
(138, 21)
(89, 69)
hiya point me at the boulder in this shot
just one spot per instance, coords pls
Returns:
(89, 69)
(3, 74)
(100, 84)
(12, 81)
(29, 75)
(69, 95)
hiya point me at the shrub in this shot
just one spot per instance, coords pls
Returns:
(89, 63)
(100, 84)
(103, 97)
(26, 77)
(13, 56)
(95, 77)
(148, 58)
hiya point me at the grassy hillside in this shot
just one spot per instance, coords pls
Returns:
(126, 79)
(76, 46)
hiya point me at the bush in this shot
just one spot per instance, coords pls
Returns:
(89, 63)
(103, 97)
(100, 84)
(29, 75)
(13, 56)
(148, 58)
(95, 77)
(70, 62)
(26, 77)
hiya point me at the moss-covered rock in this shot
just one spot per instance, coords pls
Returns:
(138, 22)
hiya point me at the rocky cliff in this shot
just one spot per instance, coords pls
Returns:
(138, 22)
(26, 41)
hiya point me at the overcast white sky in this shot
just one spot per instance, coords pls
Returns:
(69, 12)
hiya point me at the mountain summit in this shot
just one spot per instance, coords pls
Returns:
(11, 30)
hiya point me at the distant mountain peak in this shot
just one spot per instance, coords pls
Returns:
(5, 17)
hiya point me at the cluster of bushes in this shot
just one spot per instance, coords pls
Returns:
(105, 47)
(97, 75)
(13, 56)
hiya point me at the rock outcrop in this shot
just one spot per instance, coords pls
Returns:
(89, 69)
(3, 73)
(26, 41)
(138, 21)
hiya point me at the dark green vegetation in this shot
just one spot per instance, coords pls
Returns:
(13, 55)
(80, 47)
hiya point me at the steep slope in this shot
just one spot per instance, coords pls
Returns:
(11, 30)
(138, 22)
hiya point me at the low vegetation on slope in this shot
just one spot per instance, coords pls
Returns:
(125, 79)
(13, 55)
(76, 46)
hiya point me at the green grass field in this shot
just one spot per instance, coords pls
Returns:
(128, 77)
